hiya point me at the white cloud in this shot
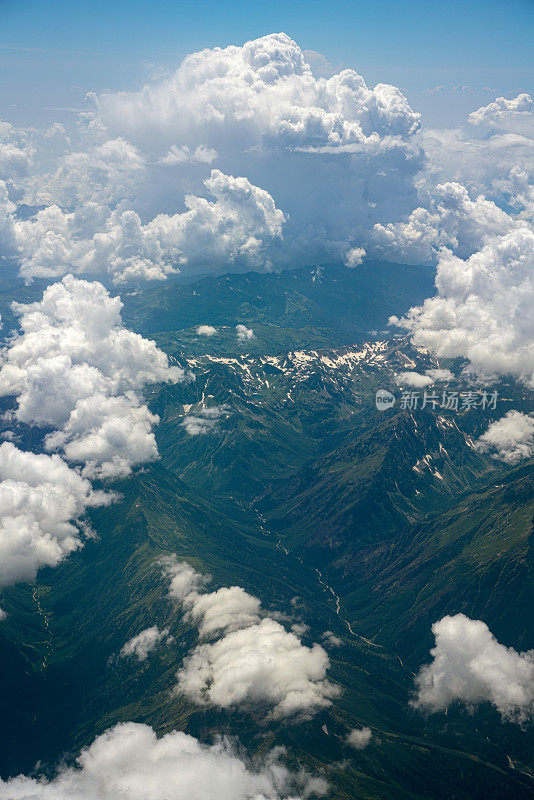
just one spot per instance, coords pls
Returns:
(505, 113)
(8, 242)
(137, 199)
(42, 503)
(331, 640)
(184, 579)
(232, 229)
(204, 420)
(227, 609)
(354, 257)
(263, 90)
(145, 642)
(451, 220)
(440, 374)
(101, 175)
(76, 368)
(92, 239)
(256, 662)
(493, 155)
(244, 334)
(115, 205)
(181, 155)
(3, 615)
(128, 762)
(470, 666)
(359, 738)
(15, 152)
(109, 435)
(259, 111)
(510, 439)
(483, 309)
(414, 379)
(206, 330)
(261, 664)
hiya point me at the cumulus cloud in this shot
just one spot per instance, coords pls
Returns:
(257, 662)
(138, 199)
(492, 155)
(244, 334)
(204, 420)
(359, 738)
(262, 664)
(231, 229)
(101, 175)
(128, 762)
(483, 308)
(184, 580)
(438, 374)
(354, 257)
(414, 379)
(470, 666)
(115, 203)
(76, 368)
(330, 639)
(510, 439)
(15, 152)
(145, 642)
(42, 503)
(451, 220)
(262, 91)
(227, 609)
(8, 242)
(504, 113)
(206, 330)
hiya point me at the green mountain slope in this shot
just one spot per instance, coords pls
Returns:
(369, 524)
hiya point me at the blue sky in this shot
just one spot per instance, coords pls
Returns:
(54, 52)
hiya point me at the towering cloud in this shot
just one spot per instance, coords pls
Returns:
(242, 158)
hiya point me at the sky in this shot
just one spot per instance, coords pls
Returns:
(448, 57)
(240, 159)
(222, 137)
